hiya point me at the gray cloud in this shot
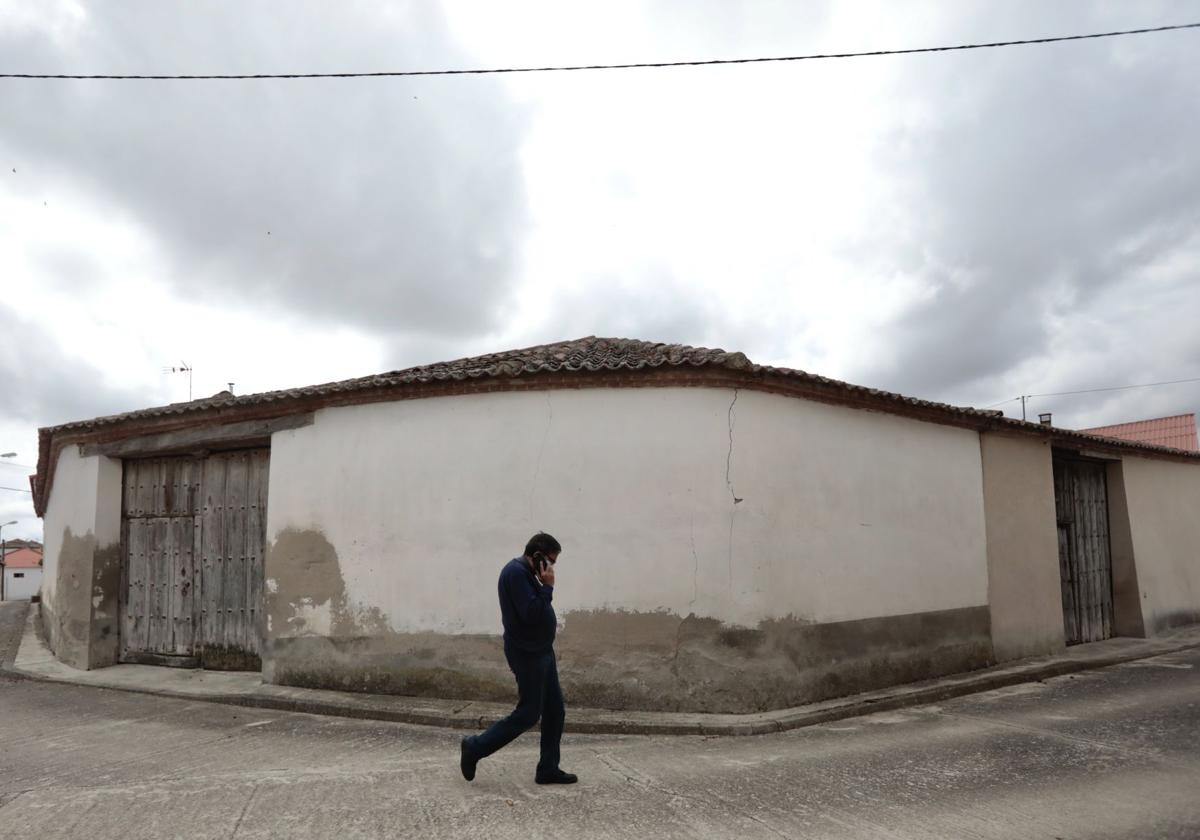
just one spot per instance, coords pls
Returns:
(1039, 187)
(767, 27)
(391, 203)
(45, 386)
(654, 305)
(1048, 177)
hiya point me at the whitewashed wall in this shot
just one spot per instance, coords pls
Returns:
(1024, 580)
(82, 523)
(71, 506)
(844, 514)
(1163, 499)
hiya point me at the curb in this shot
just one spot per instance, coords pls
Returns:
(596, 721)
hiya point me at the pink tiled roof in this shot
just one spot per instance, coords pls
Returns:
(23, 558)
(1178, 432)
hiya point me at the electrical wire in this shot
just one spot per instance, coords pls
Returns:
(1114, 388)
(1096, 390)
(17, 489)
(576, 67)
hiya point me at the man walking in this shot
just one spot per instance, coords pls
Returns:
(526, 590)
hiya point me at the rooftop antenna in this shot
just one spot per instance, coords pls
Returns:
(183, 367)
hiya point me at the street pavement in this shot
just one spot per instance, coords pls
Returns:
(1112, 753)
(12, 623)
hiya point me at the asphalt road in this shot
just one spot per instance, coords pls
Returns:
(12, 624)
(1105, 754)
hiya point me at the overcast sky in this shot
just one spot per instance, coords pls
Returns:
(963, 227)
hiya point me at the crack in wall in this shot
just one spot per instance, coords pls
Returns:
(537, 469)
(729, 454)
(675, 653)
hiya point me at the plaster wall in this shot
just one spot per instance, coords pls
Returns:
(81, 561)
(21, 588)
(1162, 499)
(723, 550)
(1024, 581)
(1127, 594)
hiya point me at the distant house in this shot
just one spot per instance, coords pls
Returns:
(13, 545)
(1177, 432)
(22, 573)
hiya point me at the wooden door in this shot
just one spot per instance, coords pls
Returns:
(193, 535)
(233, 532)
(160, 537)
(1085, 562)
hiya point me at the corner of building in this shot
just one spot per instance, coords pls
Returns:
(1156, 535)
(1024, 588)
(1128, 619)
(82, 561)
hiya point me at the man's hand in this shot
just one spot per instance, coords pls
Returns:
(546, 574)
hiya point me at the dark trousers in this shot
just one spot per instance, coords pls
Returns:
(539, 697)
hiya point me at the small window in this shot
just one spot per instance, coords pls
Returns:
(18, 574)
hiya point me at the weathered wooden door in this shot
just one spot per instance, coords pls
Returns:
(233, 530)
(193, 542)
(1085, 563)
(161, 536)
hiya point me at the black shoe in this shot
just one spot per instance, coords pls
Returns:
(556, 777)
(467, 760)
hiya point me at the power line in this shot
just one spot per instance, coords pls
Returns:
(1115, 388)
(17, 489)
(1096, 390)
(563, 68)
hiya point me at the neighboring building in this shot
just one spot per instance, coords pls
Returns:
(22, 573)
(1178, 432)
(737, 537)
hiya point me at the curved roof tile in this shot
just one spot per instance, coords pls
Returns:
(588, 354)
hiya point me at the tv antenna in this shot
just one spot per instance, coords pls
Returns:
(183, 367)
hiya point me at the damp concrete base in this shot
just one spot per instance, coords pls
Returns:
(35, 661)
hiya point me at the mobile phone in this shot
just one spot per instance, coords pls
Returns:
(540, 559)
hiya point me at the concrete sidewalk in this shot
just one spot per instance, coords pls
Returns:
(35, 661)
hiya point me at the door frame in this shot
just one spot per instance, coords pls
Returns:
(196, 658)
(1066, 457)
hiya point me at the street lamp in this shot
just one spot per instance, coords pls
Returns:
(3, 552)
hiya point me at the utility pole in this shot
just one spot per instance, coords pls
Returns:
(3, 545)
(1023, 398)
(4, 556)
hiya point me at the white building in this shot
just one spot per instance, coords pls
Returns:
(22, 574)
(736, 537)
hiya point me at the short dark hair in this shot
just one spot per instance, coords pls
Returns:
(542, 542)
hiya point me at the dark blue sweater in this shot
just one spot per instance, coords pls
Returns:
(529, 622)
